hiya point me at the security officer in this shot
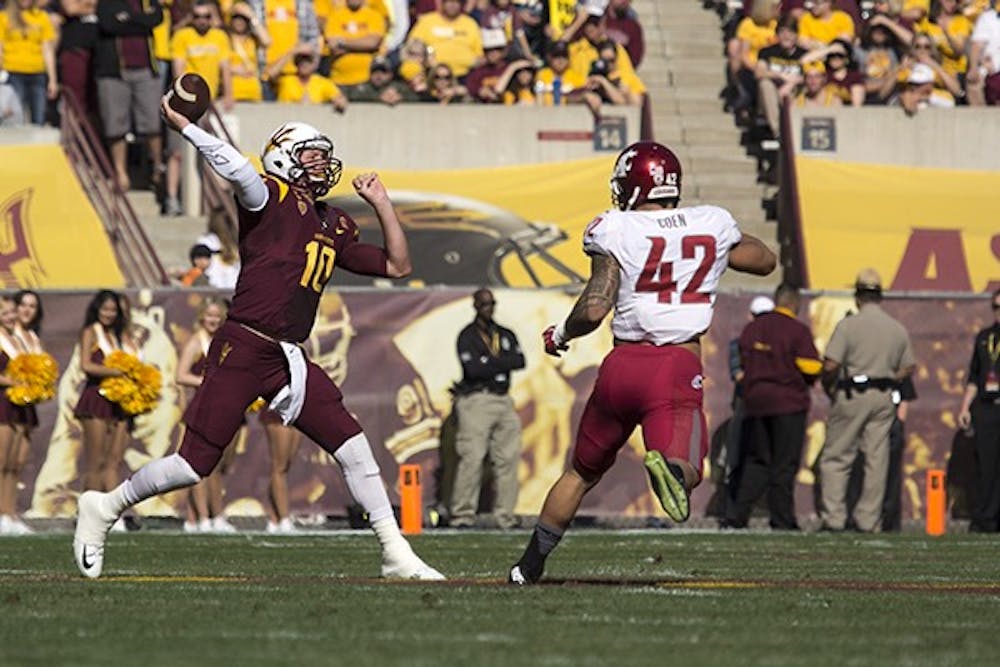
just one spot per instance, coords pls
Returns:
(981, 410)
(487, 421)
(865, 360)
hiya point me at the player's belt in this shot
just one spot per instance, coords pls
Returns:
(263, 335)
(622, 341)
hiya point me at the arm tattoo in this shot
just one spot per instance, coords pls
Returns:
(597, 299)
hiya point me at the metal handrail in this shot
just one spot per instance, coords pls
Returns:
(135, 254)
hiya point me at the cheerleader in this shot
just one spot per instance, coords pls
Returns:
(102, 420)
(111, 470)
(205, 508)
(283, 441)
(27, 327)
(12, 419)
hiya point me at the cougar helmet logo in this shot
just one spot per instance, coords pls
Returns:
(282, 157)
(645, 171)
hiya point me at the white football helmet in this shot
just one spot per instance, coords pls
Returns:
(280, 158)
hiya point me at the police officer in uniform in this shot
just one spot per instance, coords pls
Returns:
(981, 411)
(488, 425)
(867, 357)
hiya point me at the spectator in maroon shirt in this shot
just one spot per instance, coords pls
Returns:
(621, 24)
(780, 362)
(487, 82)
(842, 73)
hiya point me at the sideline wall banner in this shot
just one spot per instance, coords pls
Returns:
(393, 353)
(922, 229)
(518, 226)
(50, 235)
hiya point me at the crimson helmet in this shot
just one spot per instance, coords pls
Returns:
(645, 171)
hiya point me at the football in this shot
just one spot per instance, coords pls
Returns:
(189, 96)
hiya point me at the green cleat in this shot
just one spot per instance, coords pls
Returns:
(667, 480)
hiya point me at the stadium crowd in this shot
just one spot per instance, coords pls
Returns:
(908, 53)
(116, 57)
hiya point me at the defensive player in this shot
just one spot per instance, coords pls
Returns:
(289, 245)
(658, 266)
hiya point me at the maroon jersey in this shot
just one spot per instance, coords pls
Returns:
(288, 250)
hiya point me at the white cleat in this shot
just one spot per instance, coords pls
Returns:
(286, 527)
(18, 527)
(92, 525)
(221, 525)
(402, 563)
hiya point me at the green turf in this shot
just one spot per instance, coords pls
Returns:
(666, 598)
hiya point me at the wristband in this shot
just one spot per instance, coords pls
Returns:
(559, 334)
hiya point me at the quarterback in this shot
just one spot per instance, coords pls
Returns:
(289, 245)
(658, 266)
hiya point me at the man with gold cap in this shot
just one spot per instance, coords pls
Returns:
(865, 360)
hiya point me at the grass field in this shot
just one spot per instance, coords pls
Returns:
(613, 598)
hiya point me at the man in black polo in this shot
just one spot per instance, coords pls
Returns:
(981, 411)
(488, 425)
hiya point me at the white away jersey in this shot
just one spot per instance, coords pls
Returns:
(671, 261)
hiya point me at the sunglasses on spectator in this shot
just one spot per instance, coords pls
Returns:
(996, 306)
(441, 75)
(918, 45)
(202, 16)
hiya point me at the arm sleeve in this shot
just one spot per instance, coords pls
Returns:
(512, 358)
(231, 165)
(836, 349)
(731, 234)
(806, 357)
(475, 364)
(908, 358)
(598, 238)
(735, 360)
(364, 259)
(974, 366)
(308, 25)
(138, 24)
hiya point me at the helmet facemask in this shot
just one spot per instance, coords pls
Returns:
(319, 175)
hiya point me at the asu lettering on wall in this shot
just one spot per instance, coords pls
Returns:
(922, 229)
(50, 235)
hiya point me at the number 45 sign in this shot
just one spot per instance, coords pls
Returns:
(819, 134)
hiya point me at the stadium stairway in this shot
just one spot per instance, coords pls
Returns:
(684, 70)
(172, 237)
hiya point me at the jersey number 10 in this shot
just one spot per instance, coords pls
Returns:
(665, 286)
(319, 266)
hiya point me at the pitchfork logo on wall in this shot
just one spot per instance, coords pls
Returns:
(19, 265)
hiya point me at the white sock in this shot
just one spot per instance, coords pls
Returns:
(365, 484)
(156, 477)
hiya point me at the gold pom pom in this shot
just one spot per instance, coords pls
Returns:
(35, 375)
(137, 390)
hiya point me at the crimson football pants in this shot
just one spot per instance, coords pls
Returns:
(241, 366)
(659, 388)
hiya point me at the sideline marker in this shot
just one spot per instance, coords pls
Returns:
(936, 504)
(411, 515)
